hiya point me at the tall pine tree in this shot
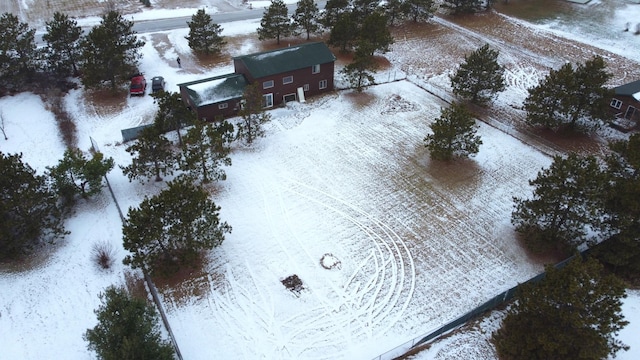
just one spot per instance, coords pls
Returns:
(204, 35)
(62, 51)
(110, 52)
(152, 155)
(171, 229)
(18, 54)
(205, 151)
(306, 17)
(419, 10)
(480, 77)
(454, 134)
(359, 72)
(275, 23)
(252, 115)
(573, 313)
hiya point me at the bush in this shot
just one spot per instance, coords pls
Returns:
(103, 254)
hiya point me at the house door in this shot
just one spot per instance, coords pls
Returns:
(289, 97)
(630, 111)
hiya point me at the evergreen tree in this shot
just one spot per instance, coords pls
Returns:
(419, 10)
(252, 115)
(28, 208)
(275, 22)
(361, 9)
(110, 52)
(344, 32)
(359, 72)
(375, 33)
(622, 205)
(152, 155)
(77, 175)
(573, 313)
(204, 35)
(306, 17)
(172, 114)
(18, 54)
(576, 99)
(170, 229)
(333, 9)
(480, 77)
(463, 6)
(127, 329)
(454, 134)
(565, 210)
(205, 151)
(394, 10)
(63, 45)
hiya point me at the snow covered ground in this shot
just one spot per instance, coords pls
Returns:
(418, 242)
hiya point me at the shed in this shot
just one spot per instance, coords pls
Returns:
(214, 97)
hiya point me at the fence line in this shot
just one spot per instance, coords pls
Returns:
(150, 285)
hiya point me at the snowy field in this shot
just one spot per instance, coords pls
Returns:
(344, 178)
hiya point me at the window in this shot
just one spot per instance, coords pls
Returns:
(267, 84)
(323, 84)
(267, 100)
(287, 79)
(315, 69)
(223, 106)
(305, 87)
(615, 103)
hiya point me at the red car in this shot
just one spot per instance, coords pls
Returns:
(138, 85)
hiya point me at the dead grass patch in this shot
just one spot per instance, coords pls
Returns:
(105, 101)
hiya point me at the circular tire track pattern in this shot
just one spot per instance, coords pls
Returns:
(370, 300)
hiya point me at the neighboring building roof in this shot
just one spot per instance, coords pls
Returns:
(215, 89)
(290, 58)
(630, 89)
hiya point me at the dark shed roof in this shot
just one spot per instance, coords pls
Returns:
(215, 89)
(629, 89)
(283, 60)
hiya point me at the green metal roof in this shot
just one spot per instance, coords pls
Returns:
(628, 89)
(287, 59)
(215, 89)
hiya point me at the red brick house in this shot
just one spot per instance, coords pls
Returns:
(626, 105)
(289, 74)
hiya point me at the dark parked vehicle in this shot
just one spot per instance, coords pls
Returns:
(138, 85)
(157, 84)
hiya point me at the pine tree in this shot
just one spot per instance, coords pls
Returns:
(205, 151)
(127, 329)
(359, 72)
(110, 52)
(306, 17)
(77, 175)
(419, 10)
(480, 77)
(463, 6)
(170, 230)
(344, 32)
(172, 114)
(275, 22)
(152, 155)
(18, 54)
(375, 32)
(63, 45)
(28, 208)
(204, 35)
(252, 115)
(621, 251)
(565, 210)
(333, 9)
(576, 99)
(454, 134)
(393, 10)
(361, 9)
(573, 313)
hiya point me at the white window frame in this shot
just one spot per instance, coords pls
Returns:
(267, 100)
(315, 69)
(616, 104)
(268, 84)
(287, 80)
(305, 87)
(322, 84)
(223, 106)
